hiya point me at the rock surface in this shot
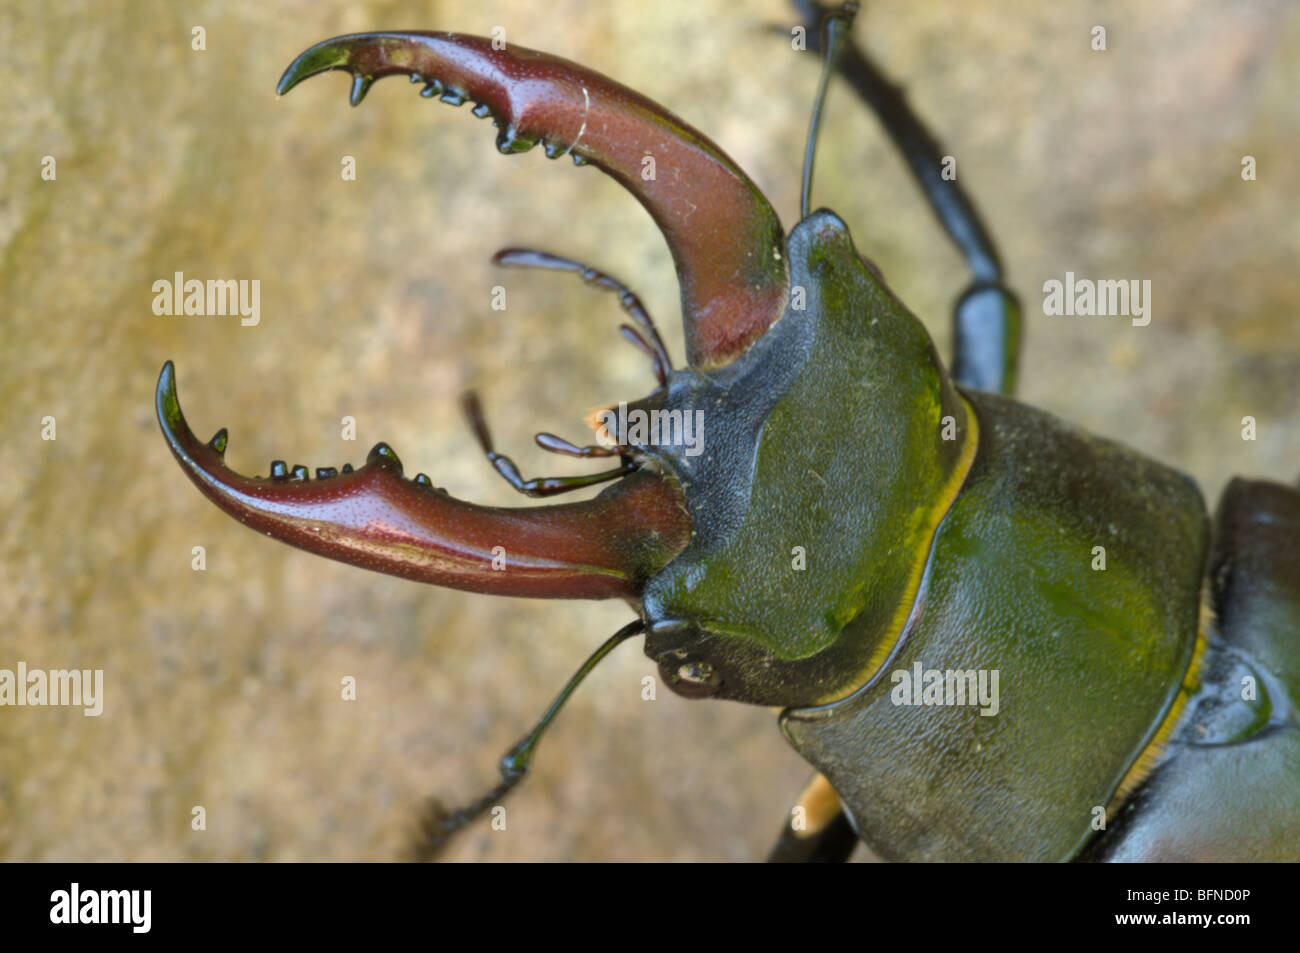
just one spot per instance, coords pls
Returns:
(223, 686)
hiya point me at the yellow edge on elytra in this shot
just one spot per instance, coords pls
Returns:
(1150, 755)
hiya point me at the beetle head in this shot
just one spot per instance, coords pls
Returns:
(774, 560)
(810, 529)
(726, 244)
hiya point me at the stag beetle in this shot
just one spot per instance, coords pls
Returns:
(953, 537)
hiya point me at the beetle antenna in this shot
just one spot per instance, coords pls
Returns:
(532, 258)
(641, 344)
(549, 441)
(835, 27)
(440, 825)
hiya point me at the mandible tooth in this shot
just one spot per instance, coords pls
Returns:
(360, 86)
(383, 452)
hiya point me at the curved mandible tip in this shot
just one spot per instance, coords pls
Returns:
(726, 240)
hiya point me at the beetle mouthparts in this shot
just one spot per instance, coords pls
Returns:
(375, 518)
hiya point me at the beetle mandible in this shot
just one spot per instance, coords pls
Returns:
(956, 535)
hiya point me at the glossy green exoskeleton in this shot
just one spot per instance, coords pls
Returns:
(899, 556)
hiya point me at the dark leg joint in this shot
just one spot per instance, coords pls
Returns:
(986, 338)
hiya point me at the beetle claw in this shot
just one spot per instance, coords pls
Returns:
(726, 240)
(375, 518)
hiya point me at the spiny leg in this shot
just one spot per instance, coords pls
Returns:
(818, 830)
(986, 317)
(439, 825)
(647, 339)
(538, 486)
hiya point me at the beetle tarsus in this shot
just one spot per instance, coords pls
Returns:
(440, 825)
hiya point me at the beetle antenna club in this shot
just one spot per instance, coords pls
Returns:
(439, 825)
(835, 27)
(550, 442)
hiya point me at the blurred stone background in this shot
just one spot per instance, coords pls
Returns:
(223, 686)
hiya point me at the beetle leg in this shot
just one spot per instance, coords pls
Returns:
(538, 486)
(986, 317)
(440, 825)
(375, 518)
(647, 337)
(726, 240)
(818, 830)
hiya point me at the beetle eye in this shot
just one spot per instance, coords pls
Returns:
(699, 672)
(698, 677)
